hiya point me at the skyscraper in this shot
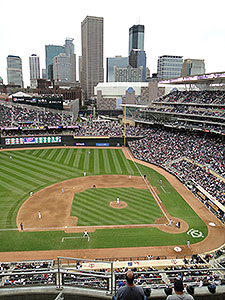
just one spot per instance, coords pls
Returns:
(92, 54)
(34, 62)
(137, 58)
(50, 52)
(111, 62)
(128, 74)
(169, 66)
(62, 68)
(69, 46)
(14, 70)
(69, 51)
(193, 67)
(136, 37)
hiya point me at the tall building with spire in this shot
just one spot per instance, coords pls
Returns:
(14, 70)
(136, 37)
(92, 54)
(137, 55)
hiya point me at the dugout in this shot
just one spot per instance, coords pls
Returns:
(215, 206)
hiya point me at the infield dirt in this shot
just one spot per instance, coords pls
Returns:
(55, 206)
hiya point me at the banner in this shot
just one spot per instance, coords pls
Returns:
(102, 144)
(33, 140)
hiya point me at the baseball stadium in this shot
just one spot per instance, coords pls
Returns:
(83, 200)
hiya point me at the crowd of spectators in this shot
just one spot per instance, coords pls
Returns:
(195, 272)
(189, 171)
(195, 275)
(201, 97)
(161, 146)
(12, 115)
(108, 129)
(91, 280)
(27, 273)
(188, 110)
(33, 265)
(30, 279)
(143, 276)
(168, 150)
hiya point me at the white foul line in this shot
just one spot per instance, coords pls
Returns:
(150, 188)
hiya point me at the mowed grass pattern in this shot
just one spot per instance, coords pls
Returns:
(34, 169)
(92, 207)
(31, 170)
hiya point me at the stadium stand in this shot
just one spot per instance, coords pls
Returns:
(176, 151)
(76, 276)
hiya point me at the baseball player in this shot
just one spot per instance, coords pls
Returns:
(31, 194)
(188, 243)
(39, 215)
(85, 233)
(170, 222)
(178, 224)
(21, 226)
(118, 200)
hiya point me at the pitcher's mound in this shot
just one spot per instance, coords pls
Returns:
(114, 204)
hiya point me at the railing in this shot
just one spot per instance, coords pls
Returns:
(103, 276)
(28, 278)
(70, 273)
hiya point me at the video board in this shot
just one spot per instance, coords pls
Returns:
(33, 140)
(55, 102)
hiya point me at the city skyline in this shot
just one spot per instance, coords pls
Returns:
(194, 30)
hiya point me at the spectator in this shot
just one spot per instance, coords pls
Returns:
(179, 292)
(130, 291)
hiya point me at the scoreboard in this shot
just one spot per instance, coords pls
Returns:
(33, 140)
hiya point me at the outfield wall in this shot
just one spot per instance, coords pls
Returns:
(62, 140)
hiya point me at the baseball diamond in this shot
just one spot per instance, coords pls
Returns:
(152, 197)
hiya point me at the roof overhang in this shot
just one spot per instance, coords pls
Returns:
(210, 78)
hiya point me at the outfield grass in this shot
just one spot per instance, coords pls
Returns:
(31, 170)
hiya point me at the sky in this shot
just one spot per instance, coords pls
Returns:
(192, 29)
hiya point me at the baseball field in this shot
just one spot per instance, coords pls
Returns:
(76, 189)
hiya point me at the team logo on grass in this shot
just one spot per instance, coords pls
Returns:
(195, 233)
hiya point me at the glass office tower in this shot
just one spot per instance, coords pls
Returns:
(111, 62)
(14, 70)
(50, 52)
(136, 37)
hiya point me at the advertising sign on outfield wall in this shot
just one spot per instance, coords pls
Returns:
(102, 144)
(33, 140)
(80, 144)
